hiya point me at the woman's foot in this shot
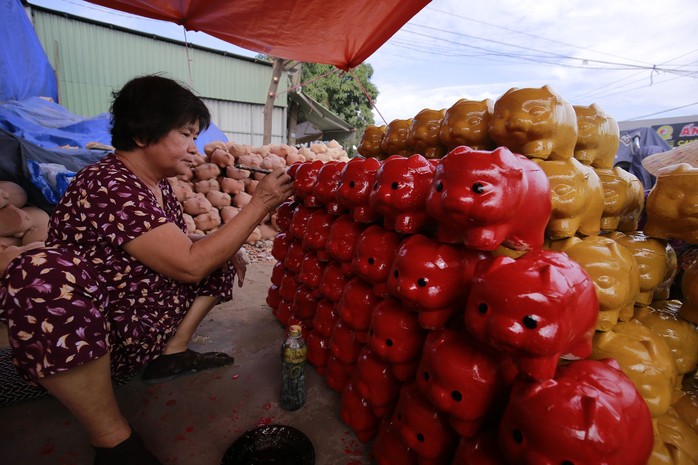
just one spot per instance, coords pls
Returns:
(130, 452)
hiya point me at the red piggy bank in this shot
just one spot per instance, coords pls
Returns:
(356, 305)
(482, 449)
(376, 383)
(317, 233)
(299, 221)
(486, 199)
(344, 234)
(333, 281)
(355, 184)
(337, 373)
(373, 256)
(304, 303)
(400, 193)
(590, 414)
(304, 182)
(284, 214)
(538, 307)
(343, 343)
(356, 412)
(294, 256)
(325, 318)
(396, 336)
(318, 351)
(325, 189)
(459, 379)
(432, 278)
(280, 245)
(388, 448)
(424, 429)
(311, 271)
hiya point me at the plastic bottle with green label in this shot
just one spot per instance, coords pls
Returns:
(293, 354)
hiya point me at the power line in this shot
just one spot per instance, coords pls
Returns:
(664, 111)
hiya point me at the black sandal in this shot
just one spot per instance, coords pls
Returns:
(130, 452)
(168, 367)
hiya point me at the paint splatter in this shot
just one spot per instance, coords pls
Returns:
(180, 437)
(170, 402)
(190, 429)
(264, 421)
(235, 376)
(267, 406)
(47, 449)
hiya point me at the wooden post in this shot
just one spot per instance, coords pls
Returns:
(276, 70)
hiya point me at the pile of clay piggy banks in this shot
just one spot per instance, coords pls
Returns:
(477, 290)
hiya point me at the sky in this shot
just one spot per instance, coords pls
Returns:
(636, 60)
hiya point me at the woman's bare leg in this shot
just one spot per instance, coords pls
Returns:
(87, 392)
(195, 315)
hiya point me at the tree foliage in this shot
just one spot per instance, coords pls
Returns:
(340, 93)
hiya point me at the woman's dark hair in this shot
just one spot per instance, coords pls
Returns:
(149, 107)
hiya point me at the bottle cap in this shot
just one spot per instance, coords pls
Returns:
(295, 330)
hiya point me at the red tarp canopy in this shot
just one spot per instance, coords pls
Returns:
(338, 32)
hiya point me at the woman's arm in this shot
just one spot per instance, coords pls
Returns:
(168, 250)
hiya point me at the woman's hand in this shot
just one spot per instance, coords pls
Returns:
(273, 189)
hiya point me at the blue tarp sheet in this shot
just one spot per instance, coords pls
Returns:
(26, 71)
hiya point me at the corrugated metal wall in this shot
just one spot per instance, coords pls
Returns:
(92, 59)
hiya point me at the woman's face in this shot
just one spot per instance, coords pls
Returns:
(174, 153)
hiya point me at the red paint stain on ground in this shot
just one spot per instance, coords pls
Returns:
(264, 421)
(235, 376)
(180, 437)
(354, 462)
(267, 406)
(213, 398)
(190, 429)
(170, 402)
(47, 449)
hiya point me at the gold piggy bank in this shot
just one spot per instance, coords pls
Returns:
(467, 123)
(598, 137)
(423, 135)
(395, 140)
(672, 204)
(535, 122)
(370, 145)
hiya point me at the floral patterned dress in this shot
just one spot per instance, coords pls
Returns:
(83, 295)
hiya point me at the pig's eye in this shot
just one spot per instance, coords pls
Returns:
(422, 282)
(389, 342)
(482, 308)
(375, 186)
(351, 184)
(420, 437)
(371, 260)
(439, 186)
(394, 185)
(518, 436)
(457, 396)
(426, 376)
(396, 273)
(567, 462)
(478, 188)
(530, 322)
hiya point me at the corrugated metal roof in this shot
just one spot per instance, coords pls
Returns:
(91, 59)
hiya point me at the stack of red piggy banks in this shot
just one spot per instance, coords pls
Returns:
(430, 304)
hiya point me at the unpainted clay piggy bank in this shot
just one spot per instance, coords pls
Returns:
(645, 357)
(589, 414)
(375, 381)
(577, 198)
(624, 199)
(459, 379)
(598, 137)
(675, 442)
(395, 140)
(355, 186)
(356, 305)
(373, 256)
(651, 258)
(614, 272)
(424, 429)
(431, 278)
(370, 145)
(671, 204)
(467, 122)
(423, 135)
(357, 413)
(485, 199)
(535, 122)
(344, 234)
(333, 281)
(539, 307)
(304, 182)
(689, 288)
(662, 318)
(400, 192)
(325, 188)
(396, 336)
(388, 448)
